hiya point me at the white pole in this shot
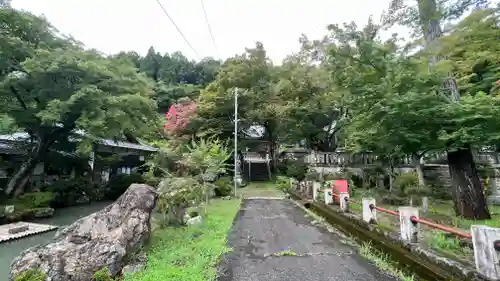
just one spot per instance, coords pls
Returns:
(235, 139)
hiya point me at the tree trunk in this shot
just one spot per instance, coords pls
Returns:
(391, 174)
(468, 195)
(419, 169)
(467, 188)
(21, 177)
(18, 181)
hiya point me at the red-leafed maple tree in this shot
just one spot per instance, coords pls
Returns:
(178, 117)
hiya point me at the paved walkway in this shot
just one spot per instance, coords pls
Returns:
(267, 234)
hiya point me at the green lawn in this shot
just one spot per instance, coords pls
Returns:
(190, 253)
(259, 189)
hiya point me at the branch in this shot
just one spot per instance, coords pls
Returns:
(18, 97)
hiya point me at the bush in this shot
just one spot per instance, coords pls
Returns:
(296, 169)
(118, 184)
(103, 275)
(223, 186)
(31, 275)
(312, 175)
(283, 183)
(394, 200)
(71, 192)
(405, 180)
(416, 190)
(36, 199)
(176, 194)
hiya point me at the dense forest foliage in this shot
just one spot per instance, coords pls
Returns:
(349, 89)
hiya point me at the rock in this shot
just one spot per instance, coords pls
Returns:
(131, 268)
(138, 264)
(9, 209)
(84, 199)
(19, 227)
(106, 238)
(195, 220)
(43, 212)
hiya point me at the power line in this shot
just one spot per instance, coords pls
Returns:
(209, 28)
(178, 29)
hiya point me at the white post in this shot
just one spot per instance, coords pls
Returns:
(316, 188)
(344, 201)
(425, 204)
(235, 140)
(409, 229)
(309, 188)
(486, 255)
(328, 197)
(369, 214)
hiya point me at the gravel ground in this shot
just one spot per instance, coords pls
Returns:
(274, 240)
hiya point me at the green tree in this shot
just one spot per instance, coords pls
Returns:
(427, 18)
(54, 91)
(250, 73)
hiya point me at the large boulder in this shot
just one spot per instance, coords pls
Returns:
(103, 239)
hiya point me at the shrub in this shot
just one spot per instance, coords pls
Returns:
(103, 275)
(31, 275)
(176, 194)
(36, 199)
(394, 200)
(419, 191)
(405, 180)
(283, 183)
(296, 169)
(223, 186)
(70, 192)
(312, 175)
(118, 184)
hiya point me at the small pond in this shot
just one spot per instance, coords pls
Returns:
(9, 250)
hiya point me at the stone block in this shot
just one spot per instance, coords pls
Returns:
(369, 214)
(486, 255)
(18, 228)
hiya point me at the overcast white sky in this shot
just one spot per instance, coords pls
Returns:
(115, 25)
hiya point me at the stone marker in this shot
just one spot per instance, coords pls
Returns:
(102, 239)
(425, 204)
(344, 201)
(328, 197)
(409, 230)
(316, 189)
(487, 258)
(369, 215)
(9, 209)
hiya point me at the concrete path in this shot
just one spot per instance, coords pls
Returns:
(267, 233)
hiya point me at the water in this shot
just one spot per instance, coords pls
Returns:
(62, 217)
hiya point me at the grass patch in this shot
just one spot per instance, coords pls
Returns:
(260, 189)
(439, 241)
(190, 253)
(382, 261)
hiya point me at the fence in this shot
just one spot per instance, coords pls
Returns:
(485, 240)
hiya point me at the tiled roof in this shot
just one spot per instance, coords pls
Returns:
(20, 136)
(129, 145)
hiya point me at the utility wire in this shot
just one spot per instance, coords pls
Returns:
(178, 29)
(209, 27)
